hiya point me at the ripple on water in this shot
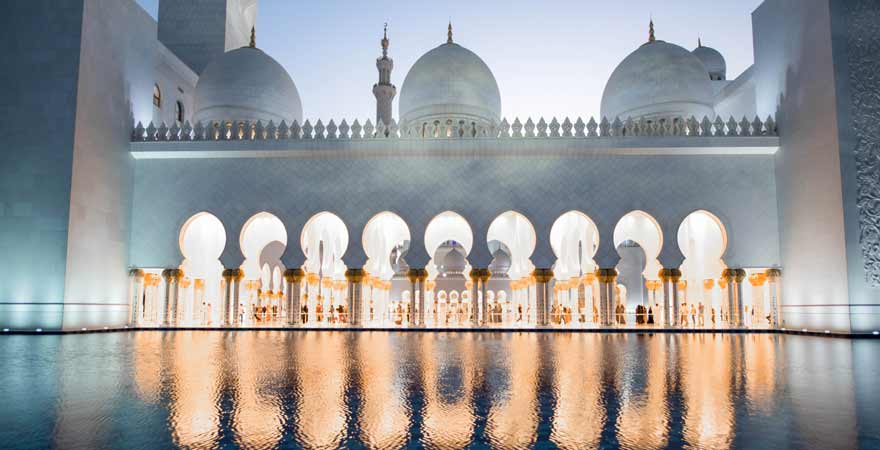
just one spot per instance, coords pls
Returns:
(273, 389)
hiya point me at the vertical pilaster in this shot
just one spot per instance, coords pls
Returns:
(485, 274)
(670, 279)
(729, 276)
(423, 278)
(475, 297)
(172, 295)
(413, 276)
(236, 293)
(226, 309)
(294, 278)
(739, 276)
(607, 278)
(355, 279)
(542, 295)
(136, 288)
(773, 276)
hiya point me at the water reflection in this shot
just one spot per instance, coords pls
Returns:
(271, 389)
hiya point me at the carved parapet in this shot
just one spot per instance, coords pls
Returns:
(459, 129)
(136, 273)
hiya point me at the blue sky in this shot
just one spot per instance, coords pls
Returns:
(550, 58)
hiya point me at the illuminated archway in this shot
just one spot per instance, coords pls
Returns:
(202, 240)
(263, 240)
(516, 232)
(385, 240)
(324, 240)
(702, 239)
(637, 236)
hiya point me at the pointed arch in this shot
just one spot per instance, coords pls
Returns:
(574, 239)
(517, 233)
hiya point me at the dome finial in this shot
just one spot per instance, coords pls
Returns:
(253, 43)
(449, 33)
(699, 41)
(651, 37)
(385, 41)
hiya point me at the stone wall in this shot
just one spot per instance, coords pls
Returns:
(855, 28)
(39, 80)
(739, 189)
(794, 76)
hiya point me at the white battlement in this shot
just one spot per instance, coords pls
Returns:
(258, 131)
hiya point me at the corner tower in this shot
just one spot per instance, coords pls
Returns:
(198, 31)
(384, 90)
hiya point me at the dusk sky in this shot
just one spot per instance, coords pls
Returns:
(550, 58)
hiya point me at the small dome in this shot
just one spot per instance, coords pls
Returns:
(658, 80)
(714, 62)
(500, 264)
(246, 84)
(450, 82)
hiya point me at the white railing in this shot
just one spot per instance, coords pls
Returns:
(670, 127)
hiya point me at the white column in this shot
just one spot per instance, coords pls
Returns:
(475, 297)
(730, 276)
(135, 294)
(236, 293)
(607, 283)
(542, 296)
(355, 278)
(484, 302)
(773, 281)
(739, 276)
(423, 278)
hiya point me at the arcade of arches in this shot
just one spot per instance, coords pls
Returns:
(703, 293)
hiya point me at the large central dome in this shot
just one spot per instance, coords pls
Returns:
(246, 84)
(450, 82)
(658, 80)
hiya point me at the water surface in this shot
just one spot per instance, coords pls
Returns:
(276, 389)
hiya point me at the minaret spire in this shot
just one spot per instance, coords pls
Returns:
(384, 91)
(385, 41)
(651, 37)
(449, 33)
(253, 43)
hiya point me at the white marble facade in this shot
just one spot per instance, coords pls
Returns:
(675, 136)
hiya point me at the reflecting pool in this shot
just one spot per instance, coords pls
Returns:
(276, 389)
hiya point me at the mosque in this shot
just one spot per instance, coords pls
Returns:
(179, 182)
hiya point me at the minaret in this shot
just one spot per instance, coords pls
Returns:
(384, 90)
